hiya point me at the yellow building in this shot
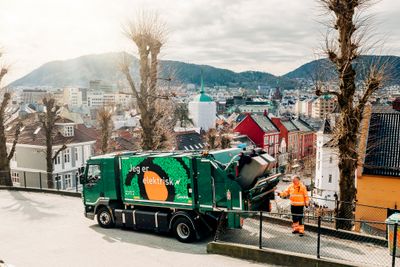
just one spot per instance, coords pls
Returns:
(378, 177)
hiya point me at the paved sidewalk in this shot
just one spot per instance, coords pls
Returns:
(280, 237)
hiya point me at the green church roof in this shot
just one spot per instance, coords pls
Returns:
(202, 97)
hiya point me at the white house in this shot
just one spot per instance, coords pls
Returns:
(327, 170)
(28, 166)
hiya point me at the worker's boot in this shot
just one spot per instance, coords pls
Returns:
(295, 228)
(301, 230)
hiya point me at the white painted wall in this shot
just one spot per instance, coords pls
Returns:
(203, 114)
(326, 173)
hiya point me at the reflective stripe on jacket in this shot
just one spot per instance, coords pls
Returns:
(298, 194)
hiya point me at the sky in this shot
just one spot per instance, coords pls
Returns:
(267, 35)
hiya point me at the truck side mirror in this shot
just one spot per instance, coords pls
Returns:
(82, 179)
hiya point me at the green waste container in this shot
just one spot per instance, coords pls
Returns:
(394, 218)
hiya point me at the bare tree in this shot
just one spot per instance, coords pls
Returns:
(219, 138)
(343, 47)
(48, 120)
(148, 33)
(5, 157)
(182, 115)
(104, 121)
(225, 136)
(211, 138)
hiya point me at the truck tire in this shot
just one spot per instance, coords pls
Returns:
(104, 218)
(184, 230)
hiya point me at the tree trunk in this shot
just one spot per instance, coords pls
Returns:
(5, 173)
(5, 176)
(49, 163)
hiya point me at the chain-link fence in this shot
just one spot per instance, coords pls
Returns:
(354, 211)
(273, 231)
(62, 181)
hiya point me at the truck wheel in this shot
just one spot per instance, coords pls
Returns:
(104, 218)
(183, 230)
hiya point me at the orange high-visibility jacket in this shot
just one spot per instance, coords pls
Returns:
(297, 194)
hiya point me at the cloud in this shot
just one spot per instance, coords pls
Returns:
(267, 35)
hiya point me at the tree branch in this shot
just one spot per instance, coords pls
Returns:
(16, 136)
(319, 92)
(3, 72)
(59, 151)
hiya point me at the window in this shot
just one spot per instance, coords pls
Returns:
(67, 181)
(15, 178)
(76, 154)
(94, 173)
(57, 160)
(69, 130)
(330, 178)
(67, 156)
(330, 159)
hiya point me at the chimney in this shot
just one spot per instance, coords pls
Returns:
(265, 113)
(396, 104)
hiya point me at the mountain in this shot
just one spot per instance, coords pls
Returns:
(325, 70)
(79, 71)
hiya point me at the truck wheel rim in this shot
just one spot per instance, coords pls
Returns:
(105, 218)
(183, 230)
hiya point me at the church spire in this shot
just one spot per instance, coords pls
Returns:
(202, 84)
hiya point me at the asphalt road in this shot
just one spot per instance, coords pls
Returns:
(50, 230)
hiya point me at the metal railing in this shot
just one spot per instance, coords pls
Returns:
(67, 181)
(356, 212)
(266, 230)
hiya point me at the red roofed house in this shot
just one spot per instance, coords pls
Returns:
(261, 130)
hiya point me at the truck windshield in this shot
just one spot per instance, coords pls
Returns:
(94, 173)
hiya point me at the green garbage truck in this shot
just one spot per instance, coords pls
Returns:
(183, 192)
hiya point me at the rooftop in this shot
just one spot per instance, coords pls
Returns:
(265, 123)
(302, 125)
(383, 145)
(289, 125)
(32, 133)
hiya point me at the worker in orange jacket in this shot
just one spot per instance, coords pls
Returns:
(297, 193)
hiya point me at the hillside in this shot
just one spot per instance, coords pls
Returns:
(79, 71)
(325, 69)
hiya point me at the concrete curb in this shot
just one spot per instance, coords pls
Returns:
(342, 234)
(38, 190)
(271, 256)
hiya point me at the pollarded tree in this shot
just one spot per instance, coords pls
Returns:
(48, 120)
(148, 34)
(104, 115)
(5, 157)
(343, 47)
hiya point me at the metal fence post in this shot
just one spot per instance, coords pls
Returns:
(319, 238)
(76, 182)
(394, 244)
(260, 241)
(40, 180)
(57, 181)
(24, 179)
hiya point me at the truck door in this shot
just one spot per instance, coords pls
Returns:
(205, 184)
(94, 186)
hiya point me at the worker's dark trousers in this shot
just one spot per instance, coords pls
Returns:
(297, 218)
